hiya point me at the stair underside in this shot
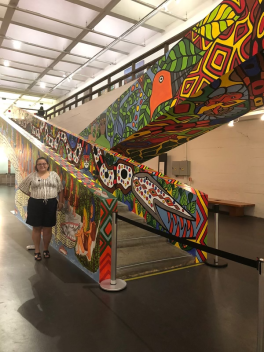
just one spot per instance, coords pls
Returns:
(141, 252)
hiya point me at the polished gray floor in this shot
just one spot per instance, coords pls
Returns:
(53, 306)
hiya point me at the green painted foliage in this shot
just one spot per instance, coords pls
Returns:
(191, 207)
(144, 116)
(130, 114)
(184, 199)
(110, 128)
(183, 55)
(117, 139)
(217, 22)
(127, 132)
(161, 109)
(154, 68)
(147, 86)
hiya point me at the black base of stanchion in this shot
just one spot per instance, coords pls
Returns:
(218, 265)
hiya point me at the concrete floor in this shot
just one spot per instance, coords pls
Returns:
(53, 306)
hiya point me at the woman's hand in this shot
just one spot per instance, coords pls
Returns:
(60, 206)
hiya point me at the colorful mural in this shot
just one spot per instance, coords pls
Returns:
(84, 227)
(166, 204)
(210, 77)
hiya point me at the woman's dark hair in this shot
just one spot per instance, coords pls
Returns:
(41, 158)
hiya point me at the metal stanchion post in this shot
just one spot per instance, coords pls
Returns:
(216, 263)
(113, 284)
(260, 346)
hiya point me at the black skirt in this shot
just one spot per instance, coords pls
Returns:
(42, 212)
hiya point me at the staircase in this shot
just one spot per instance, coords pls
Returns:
(140, 252)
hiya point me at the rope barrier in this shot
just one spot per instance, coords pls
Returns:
(235, 258)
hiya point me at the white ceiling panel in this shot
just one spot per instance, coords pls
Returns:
(99, 3)
(36, 37)
(132, 10)
(16, 56)
(113, 26)
(31, 50)
(161, 20)
(2, 12)
(9, 95)
(61, 10)
(141, 34)
(22, 67)
(97, 39)
(18, 73)
(112, 56)
(65, 66)
(54, 42)
(51, 79)
(75, 59)
(45, 24)
(85, 50)
(5, 83)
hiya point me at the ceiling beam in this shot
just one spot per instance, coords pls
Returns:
(66, 52)
(130, 20)
(31, 71)
(92, 24)
(121, 17)
(6, 21)
(67, 23)
(146, 4)
(66, 37)
(18, 91)
(44, 57)
(85, 4)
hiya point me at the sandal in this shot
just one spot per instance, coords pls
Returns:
(46, 254)
(38, 257)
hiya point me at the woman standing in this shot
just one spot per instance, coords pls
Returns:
(43, 187)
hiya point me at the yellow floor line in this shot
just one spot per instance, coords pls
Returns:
(164, 272)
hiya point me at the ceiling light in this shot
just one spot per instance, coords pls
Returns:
(64, 75)
(262, 118)
(16, 44)
(6, 63)
(69, 79)
(231, 124)
(42, 85)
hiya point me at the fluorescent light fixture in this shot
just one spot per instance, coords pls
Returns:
(16, 44)
(6, 63)
(64, 75)
(42, 85)
(231, 124)
(69, 78)
(262, 118)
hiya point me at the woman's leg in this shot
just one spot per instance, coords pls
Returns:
(47, 234)
(36, 233)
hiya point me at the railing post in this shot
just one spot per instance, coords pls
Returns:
(133, 71)
(113, 284)
(166, 48)
(109, 84)
(120, 83)
(260, 346)
(216, 262)
(76, 97)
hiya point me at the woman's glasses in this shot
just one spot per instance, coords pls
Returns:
(42, 164)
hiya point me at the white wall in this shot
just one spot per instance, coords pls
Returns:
(227, 163)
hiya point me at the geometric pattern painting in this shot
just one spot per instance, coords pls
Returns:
(84, 228)
(165, 203)
(215, 74)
